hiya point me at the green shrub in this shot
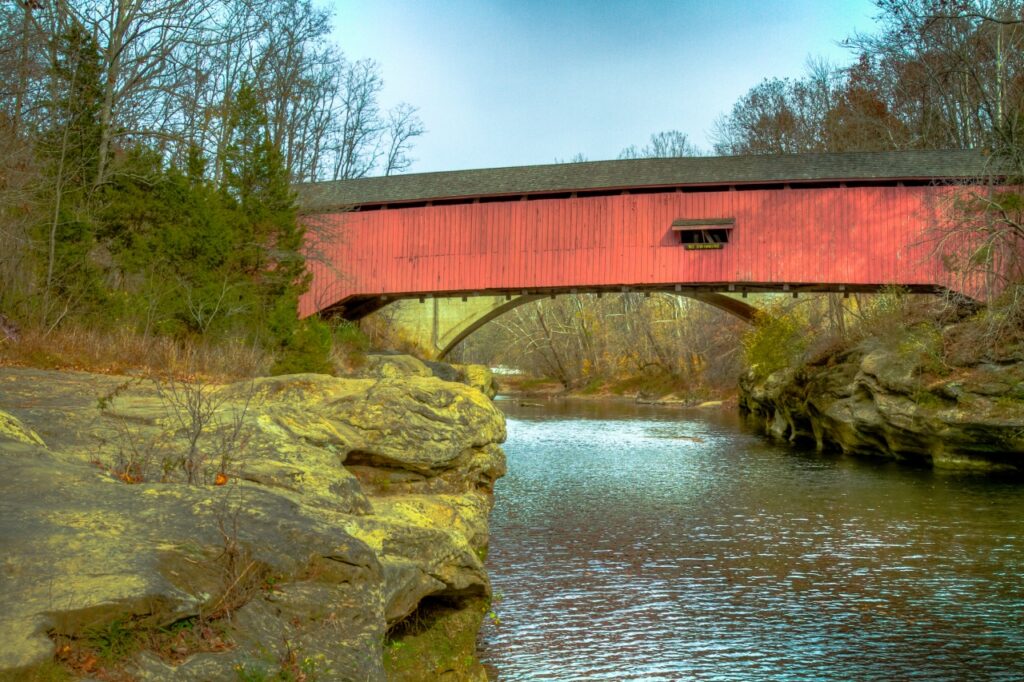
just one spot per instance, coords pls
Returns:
(350, 337)
(777, 340)
(922, 343)
(308, 350)
(885, 314)
(113, 642)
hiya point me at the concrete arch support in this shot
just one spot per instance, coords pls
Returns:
(440, 324)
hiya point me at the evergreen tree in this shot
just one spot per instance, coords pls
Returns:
(172, 248)
(69, 155)
(269, 235)
(72, 143)
(256, 183)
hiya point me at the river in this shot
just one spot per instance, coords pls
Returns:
(644, 543)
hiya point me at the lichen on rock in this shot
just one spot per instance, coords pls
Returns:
(351, 506)
(897, 400)
(12, 429)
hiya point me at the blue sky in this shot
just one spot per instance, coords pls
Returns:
(505, 83)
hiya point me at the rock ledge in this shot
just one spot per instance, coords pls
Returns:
(353, 520)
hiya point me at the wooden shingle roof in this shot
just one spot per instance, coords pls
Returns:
(643, 173)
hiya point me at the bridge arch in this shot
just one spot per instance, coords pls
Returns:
(442, 333)
(735, 307)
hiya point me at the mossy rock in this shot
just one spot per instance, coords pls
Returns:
(11, 429)
(479, 377)
(893, 401)
(437, 643)
(334, 565)
(390, 366)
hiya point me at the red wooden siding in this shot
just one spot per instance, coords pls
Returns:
(858, 236)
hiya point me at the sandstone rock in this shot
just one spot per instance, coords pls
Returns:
(885, 402)
(83, 551)
(390, 366)
(335, 558)
(396, 365)
(479, 377)
(422, 425)
(11, 429)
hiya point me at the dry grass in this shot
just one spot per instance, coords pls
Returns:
(124, 351)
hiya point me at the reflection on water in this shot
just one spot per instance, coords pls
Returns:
(644, 543)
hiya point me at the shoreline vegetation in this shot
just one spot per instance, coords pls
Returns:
(638, 390)
(106, 350)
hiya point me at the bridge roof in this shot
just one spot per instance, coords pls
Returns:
(643, 173)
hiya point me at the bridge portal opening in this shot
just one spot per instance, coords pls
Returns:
(703, 233)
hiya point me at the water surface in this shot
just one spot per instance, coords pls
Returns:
(655, 544)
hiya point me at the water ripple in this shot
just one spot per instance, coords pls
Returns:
(644, 546)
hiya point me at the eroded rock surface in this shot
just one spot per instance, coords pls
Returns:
(899, 400)
(393, 365)
(349, 505)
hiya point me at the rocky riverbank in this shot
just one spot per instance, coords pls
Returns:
(922, 393)
(299, 527)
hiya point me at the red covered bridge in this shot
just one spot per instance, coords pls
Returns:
(808, 222)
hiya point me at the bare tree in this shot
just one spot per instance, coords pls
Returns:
(404, 125)
(579, 339)
(779, 116)
(665, 144)
(578, 157)
(950, 72)
(358, 145)
(141, 42)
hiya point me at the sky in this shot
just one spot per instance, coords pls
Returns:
(518, 82)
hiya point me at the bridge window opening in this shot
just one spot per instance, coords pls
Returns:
(704, 233)
(713, 236)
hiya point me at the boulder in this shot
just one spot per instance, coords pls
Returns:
(421, 424)
(347, 506)
(479, 377)
(392, 365)
(896, 401)
(384, 365)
